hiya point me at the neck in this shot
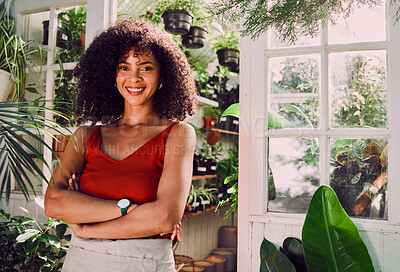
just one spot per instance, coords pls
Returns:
(139, 115)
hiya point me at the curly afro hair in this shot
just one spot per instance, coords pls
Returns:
(99, 98)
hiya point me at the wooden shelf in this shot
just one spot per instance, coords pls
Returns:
(220, 130)
(203, 177)
(225, 131)
(210, 208)
(206, 101)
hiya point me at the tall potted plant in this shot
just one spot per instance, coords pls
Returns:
(14, 59)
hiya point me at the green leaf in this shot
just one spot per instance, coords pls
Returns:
(26, 235)
(31, 90)
(44, 237)
(330, 239)
(60, 230)
(356, 178)
(275, 121)
(54, 241)
(232, 110)
(31, 246)
(273, 260)
(27, 220)
(23, 209)
(342, 143)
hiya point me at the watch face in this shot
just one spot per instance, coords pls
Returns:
(123, 203)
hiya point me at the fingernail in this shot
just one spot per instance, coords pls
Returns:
(73, 176)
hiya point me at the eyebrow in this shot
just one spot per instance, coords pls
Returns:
(140, 63)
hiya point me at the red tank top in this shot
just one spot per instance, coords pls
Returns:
(136, 177)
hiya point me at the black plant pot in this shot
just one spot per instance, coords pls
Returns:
(211, 167)
(228, 57)
(199, 165)
(177, 22)
(62, 39)
(230, 123)
(195, 38)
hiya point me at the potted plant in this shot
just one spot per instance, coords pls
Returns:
(177, 15)
(196, 37)
(210, 116)
(331, 241)
(14, 53)
(201, 196)
(226, 44)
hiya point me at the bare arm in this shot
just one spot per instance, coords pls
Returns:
(163, 214)
(71, 206)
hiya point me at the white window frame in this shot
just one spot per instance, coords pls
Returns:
(100, 14)
(253, 138)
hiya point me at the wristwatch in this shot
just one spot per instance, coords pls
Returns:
(123, 204)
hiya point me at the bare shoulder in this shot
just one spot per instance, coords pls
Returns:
(181, 131)
(83, 132)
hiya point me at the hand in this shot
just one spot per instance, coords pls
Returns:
(73, 183)
(177, 232)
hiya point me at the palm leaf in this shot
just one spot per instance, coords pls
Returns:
(330, 239)
(15, 161)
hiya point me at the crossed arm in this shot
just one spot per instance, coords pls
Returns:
(93, 217)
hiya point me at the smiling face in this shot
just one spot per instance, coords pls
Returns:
(138, 78)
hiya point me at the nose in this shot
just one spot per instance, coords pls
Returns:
(135, 76)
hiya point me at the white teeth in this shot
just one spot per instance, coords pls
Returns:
(135, 90)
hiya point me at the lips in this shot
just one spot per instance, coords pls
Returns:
(135, 91)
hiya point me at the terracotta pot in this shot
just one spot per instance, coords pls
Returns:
(227, 237)
(192, 267)
(195, 38)
(209, 122)
(229, 256)
(82, 37)
(219, 262)
(207, 265)
(177, 22)
(60, 144)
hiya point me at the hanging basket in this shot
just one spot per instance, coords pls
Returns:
(6, 85)
(177, 22)
(228, 57)
(195, 38)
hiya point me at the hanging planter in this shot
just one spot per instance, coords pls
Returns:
(195, 38)
(177, 22)
(228, 57)
(6, 85)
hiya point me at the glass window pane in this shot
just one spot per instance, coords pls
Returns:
(358, 89)
(71, 30)
(293, 173)
(359, 175)
(128, 8)
(363, 25)
(35, 90)
(65, 97)
(275, 42)
(294, 91)
(34, 30)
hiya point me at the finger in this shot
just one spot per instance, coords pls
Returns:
(76, 183)
(173, 235)
(179, 232)
(71, 185)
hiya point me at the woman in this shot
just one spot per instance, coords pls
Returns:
(135, 169)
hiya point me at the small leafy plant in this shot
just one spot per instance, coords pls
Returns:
(224, 38)
(211, 111)
(27, 248)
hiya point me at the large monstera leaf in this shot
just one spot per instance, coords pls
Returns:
(331, 241)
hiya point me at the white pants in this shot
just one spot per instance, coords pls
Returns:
(119, 255)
